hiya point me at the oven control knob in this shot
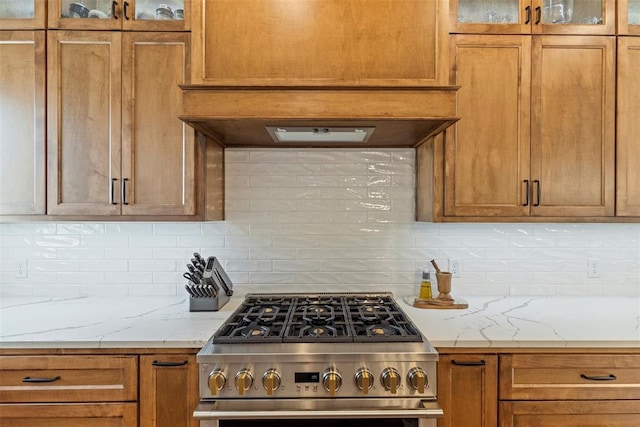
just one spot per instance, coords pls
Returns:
(390, 379)
(244, 381)
(331, 380)
(364, 380)
(217, 381)
(417, 377)
(271, 381)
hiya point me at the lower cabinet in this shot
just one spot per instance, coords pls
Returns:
(468, 390)
(168, 390)
(543, 389)
(131, 389)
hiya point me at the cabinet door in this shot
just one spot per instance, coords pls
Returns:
(611, 413)
(629, 17)
(157, 15)
(574, 17)
(23, 14)
(487, 153)
(168, 390)
(70, 415)
(573, 126)
(496, 17)
(628, 140)
(468, 390)
(87, 14)
(22, 120)
(83, 145)
(158, 149)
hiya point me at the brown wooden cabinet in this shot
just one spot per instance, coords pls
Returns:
(80, 390)
(319, 42)
(628, 127)
(115, 144)
(536, 135)
(22, 120)
(139, 15)
(168, 390)
(23, 14)
(599, 390)
(468, 390)
(629, 17)
(533, 17)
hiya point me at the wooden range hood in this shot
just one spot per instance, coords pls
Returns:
(238, 116)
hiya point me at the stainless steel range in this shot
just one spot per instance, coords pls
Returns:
(340, 359)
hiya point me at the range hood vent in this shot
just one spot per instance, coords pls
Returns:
(269, 116)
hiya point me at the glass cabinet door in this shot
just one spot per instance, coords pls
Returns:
(145, 15)
(22, 14)
(629, 17)
(490, 16)
(575, 17)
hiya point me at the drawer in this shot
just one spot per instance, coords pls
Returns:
(111, 378)
(70, 415)
(569, 376)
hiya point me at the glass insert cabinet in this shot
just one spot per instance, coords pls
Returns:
(629, 17)
(146, 15)
(22, 14)
(533, 16)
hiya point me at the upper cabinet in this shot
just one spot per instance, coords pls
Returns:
(23, 14)
(142, 15)
(629, 17)
(533, 16)
(320, 42)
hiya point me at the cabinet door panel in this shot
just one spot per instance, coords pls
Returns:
(84, 122)
(22, 120)
(628, 141)
(86, 15)
(573, 125)
(487, 159)
(23, 14)
(589, 17)
(168, 394)
(158, 148)
(468, 390)
(496, 17)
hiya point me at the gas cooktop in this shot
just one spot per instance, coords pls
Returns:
(342, 317)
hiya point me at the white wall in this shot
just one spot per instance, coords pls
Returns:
(316, 220)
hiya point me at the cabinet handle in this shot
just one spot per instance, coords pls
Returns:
(472, 363)
(112, 191)
(537, 184)
(528, 20)
(114, 4)
(126, 5)
(168, 364)
(124, 191)
(609, 377)
(538, 14)
(40, 380)
(526, 187)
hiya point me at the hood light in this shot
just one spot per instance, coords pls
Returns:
(320, 134)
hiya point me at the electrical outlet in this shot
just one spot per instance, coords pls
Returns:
(21, 270)
(593, 268)
(455, 267)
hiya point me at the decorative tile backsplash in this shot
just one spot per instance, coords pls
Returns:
(318, 220)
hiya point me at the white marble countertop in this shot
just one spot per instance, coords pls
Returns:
(165, 322)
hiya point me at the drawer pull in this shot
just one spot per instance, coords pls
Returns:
(476, 363)
(609, 377)
(40, 380)
(168, 364)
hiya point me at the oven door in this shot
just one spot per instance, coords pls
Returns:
(325, 412)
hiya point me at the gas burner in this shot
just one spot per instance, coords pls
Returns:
(318, 314)
(269, 301)
(373, 313)
(318, 300)
(263, 314)
(367, 300)
(318, 331)
(252, 331)
(381, 330)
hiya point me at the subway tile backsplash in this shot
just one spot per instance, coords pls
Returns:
(316, 219)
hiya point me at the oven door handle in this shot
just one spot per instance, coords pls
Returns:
(311, 409)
